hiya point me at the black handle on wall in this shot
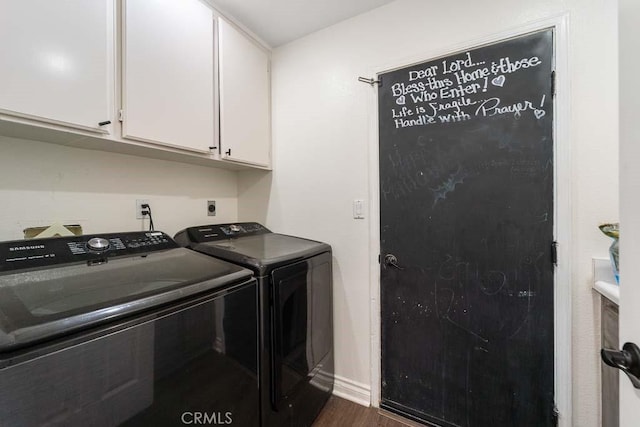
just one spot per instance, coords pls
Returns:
(228, 152)
(627, 360)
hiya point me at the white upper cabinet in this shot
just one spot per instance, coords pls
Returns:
(245, 131)
(163, 78)
(56, 61)
(168, 73)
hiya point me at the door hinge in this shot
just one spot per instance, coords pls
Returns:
(556, 415)
(120, 115)
(553, 84)
(554, 253)
(378, 258)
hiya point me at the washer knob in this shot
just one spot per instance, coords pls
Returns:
(98, 244)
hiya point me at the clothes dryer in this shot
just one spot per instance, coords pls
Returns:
(296, 314)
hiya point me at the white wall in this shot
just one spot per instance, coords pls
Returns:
(629, 201)
(321, 150)
(43, 183)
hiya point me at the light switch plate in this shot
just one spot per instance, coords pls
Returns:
(358, 209)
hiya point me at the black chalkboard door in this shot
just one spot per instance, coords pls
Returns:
(466, 209)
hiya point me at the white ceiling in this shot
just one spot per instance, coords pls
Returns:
(280, 21)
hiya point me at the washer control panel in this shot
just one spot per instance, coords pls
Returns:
(21, 254)
(98, 244)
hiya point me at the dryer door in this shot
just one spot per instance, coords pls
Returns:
(302, 325)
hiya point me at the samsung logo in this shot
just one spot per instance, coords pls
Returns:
(25, 248)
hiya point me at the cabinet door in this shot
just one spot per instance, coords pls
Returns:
(56, 61)
(168, 73)
(245, 132)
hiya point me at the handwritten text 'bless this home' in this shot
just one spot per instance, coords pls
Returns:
(461, 89)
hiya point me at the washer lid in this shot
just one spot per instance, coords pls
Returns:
(263, 252)
(37, 304)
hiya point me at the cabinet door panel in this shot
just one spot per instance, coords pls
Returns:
(168, 72)
(57, 60)
(244, 98)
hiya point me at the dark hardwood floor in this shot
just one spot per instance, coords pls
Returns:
(340, 413)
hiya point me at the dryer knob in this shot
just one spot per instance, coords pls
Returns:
(98, 244)
(234, 228)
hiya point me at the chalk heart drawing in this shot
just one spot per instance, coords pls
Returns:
(401, 100)
(498, 81)
(539, 114)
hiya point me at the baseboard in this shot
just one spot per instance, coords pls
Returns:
(352, 390)
(321, 379)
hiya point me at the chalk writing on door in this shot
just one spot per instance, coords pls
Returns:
(462, 89)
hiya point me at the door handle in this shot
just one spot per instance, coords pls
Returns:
(627, 360)
(391, 261)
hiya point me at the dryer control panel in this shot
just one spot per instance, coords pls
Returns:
(213, 232)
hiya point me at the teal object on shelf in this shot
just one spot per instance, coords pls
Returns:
(613, 231)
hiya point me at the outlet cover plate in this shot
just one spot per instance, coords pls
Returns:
(211, 207)
(139, 203)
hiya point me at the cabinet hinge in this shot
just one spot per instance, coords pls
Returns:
(120, 115)
(553, 84)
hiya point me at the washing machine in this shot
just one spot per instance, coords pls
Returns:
(125, 329)
(296, 314)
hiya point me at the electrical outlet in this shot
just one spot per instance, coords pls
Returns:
(139, 203)
(211, 207)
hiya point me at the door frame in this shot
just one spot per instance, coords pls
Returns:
(562, 204)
